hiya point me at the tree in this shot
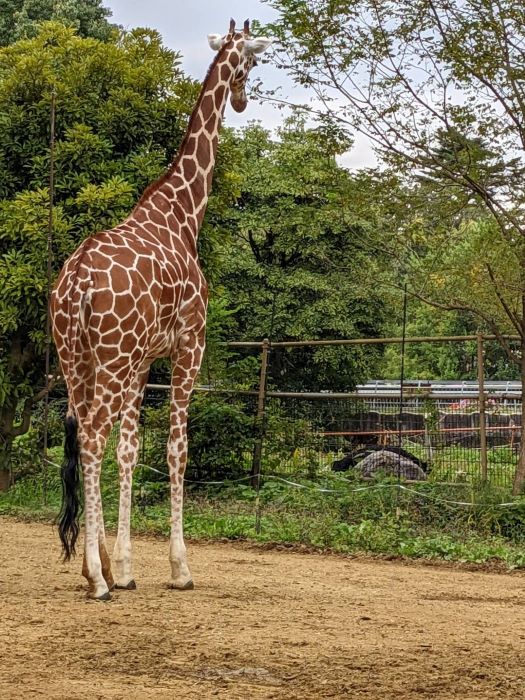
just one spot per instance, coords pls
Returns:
(452, 361)
(122, 108)
(478, 276)
(301, 266)
(431, 83)
(20, 19)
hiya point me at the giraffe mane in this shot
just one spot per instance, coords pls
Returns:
(171, 167)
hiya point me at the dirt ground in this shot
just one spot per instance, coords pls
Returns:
(259, 624)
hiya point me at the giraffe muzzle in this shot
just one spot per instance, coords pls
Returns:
(239, 100)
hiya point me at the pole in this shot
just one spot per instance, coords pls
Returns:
(261, 405)
(49, 280)
(482, 414)
(401, 396)
(260, 426)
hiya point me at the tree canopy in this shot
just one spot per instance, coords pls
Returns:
(121, 110)
(405, 73)
(436, 86)
(302, 263)
(20, 19)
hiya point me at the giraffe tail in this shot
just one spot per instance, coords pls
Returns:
(68, 525)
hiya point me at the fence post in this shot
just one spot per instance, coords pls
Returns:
(261, 405)
(482, 414)
(50, 231)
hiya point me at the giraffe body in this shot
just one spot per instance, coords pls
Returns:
(126, 297)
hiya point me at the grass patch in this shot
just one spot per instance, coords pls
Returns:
(428, 520)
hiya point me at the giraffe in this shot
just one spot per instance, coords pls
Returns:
(130, 295)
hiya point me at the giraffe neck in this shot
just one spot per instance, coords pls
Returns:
(185, 187)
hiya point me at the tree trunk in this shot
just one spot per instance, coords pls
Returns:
(7, 421)
(6, 443)
(9, 430)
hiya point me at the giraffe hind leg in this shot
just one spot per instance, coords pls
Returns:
(93, 437)
(185, 366)
(127, 456)
(80, 389)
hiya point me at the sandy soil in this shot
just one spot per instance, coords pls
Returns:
(259, 624)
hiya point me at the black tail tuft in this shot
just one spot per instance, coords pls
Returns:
(68, 527)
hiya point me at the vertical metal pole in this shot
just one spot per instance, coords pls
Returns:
(261, 405)
(260, 425)
(482, 414)
(401, 398)
(49, 280)
(402, 372)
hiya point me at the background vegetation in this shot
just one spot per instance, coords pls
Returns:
(330, 513)
(295, 246)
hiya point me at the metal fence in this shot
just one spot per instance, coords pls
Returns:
(308, 434)
(444, 434)
(469, 434)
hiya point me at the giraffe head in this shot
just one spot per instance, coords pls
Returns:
(241, 50)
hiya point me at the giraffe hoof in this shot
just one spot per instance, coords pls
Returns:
(104, 597)
(131, 586)
(188, 586)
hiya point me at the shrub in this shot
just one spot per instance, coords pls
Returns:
(220, 438)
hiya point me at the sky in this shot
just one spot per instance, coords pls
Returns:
(184, 26)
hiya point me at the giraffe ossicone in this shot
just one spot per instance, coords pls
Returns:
(130, 295)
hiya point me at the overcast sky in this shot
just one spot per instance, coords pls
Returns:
(184, 26)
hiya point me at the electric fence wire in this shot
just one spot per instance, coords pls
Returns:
(346, 491)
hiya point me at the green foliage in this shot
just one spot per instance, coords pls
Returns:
(220, 437)
(121, 110)
(21, 18)
(289, 439)
(377, 521)
(219, 327)
(301, 265)
(446, 361)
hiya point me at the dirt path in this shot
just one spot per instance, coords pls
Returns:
(260, 624)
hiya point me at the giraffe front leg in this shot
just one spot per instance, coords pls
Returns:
(186, 365)
(180, 574)
(122, 551)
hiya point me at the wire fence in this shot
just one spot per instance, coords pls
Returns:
(312, 434)
(442, 436)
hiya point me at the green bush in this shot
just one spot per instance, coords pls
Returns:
(462, 522)
(220, 438)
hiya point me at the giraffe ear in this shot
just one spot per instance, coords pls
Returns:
(257, 45)
(215, 41)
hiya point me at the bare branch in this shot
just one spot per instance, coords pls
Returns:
(513, 317)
